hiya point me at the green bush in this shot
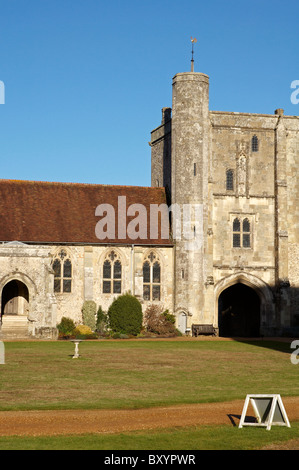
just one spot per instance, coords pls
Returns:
(125, 315)
(169, 317)
(89, 314)
(66, 326)
(101, 323)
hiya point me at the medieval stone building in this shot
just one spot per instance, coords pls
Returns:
(237, 269)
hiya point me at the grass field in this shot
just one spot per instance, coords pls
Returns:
(142, 373)
(128, 374)
(202, 438)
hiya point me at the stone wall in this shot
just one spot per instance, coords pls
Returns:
(32, 265)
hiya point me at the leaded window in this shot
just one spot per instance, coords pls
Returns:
(246, 233)
(255, 144)
(151, 278)
(62, 267)
(112, 274)
(236, 233)
(241, 233)
(229, 180)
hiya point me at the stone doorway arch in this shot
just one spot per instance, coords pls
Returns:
(239, 312)
(15, 299)
(247, 299)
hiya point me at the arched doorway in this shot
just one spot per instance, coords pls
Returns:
(14, 299)
(239, 311)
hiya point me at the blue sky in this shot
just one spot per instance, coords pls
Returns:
(85, 80)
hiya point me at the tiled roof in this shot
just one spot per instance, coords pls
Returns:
(44, 212)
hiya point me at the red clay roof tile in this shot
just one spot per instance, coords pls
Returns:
(44, 212)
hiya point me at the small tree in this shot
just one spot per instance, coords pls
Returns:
(66, 326)
(125, 315)
(89, 314)
(102, 320)
(158, 321)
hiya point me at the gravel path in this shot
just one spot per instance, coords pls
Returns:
(38, 423)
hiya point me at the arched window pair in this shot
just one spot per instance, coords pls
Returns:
(151, 278)
(62, 267)
(241, 233)
(112, 274)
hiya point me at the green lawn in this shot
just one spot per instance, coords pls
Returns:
(202, 438)
(131, 374)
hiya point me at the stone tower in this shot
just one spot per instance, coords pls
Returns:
(180, 158)
(190, 152)
(236, 255)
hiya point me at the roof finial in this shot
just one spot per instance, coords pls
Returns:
(193, 40)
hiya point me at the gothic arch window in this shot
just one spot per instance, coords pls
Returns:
(246, 233)
(255, 144)
(236, 233)
(241, 233)
(112, 274)
(229, 180)
(63, 272)
(151, 278)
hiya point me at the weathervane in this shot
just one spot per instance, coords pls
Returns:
(193, 40)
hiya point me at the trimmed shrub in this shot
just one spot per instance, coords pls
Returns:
(84, 332)
(101, 323)
(159, 322)
(125, 315)
(66, 326)
(89, 310)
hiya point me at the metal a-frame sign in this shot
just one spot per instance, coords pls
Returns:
(268, 409)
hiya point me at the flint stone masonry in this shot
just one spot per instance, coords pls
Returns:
(191, 152)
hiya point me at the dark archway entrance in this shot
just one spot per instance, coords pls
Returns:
(14, 299)
(239, 312)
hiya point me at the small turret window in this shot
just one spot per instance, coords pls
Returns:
(229, 180)
(255, 144)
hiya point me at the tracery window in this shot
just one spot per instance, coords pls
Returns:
(62, 267)
(241, 233)
(255, 144)
(112, 274)
(229, 180)
(246, 233)
(151, 278)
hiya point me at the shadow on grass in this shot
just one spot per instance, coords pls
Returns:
(249, 419)
(277, 344)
